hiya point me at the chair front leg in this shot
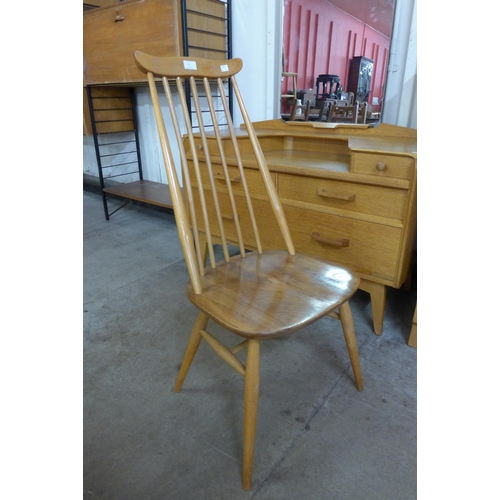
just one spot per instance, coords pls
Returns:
(350, 339)
(252, 382)
(194, 342)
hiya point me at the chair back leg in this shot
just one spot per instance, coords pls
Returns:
(252, 382)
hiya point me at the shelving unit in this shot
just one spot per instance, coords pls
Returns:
(112, 113)
(202, 28)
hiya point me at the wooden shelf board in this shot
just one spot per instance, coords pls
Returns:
(154, 193)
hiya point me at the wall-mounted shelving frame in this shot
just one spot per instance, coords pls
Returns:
(114, 115)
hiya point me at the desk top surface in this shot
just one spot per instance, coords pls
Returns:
(380, 138)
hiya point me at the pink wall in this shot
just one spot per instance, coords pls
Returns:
(319, 38)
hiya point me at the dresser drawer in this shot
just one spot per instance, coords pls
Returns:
(373, 200)
(253, 178)
(383, 165)
(368, 248)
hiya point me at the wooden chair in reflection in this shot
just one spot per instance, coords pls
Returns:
(257, 295)
(300, 112)
(343, 113)
(362, 112)
(317, 111)
(308, 112)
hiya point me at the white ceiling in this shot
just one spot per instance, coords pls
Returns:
(378, 14)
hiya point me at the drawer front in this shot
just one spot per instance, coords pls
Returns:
(383, 165)
(253, 178)
(373, 200)
(368, 248)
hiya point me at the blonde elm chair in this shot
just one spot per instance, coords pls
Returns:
(257, 295)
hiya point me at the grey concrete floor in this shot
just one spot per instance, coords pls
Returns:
(317, 436)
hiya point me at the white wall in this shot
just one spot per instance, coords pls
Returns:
(257, 39)
(257, 35)
(400, 107)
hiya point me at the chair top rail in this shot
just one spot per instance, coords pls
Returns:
(185, 67)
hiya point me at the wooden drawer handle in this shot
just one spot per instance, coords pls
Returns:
(339, 196)
(380, 166)
(343, 242)
(220, 177)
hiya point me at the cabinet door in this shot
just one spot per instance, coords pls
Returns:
(112, 34)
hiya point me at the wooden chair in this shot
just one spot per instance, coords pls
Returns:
(317, 111)
(362, 112)
(308, 112)
(300, 112)
(339, 113)
(256, 295)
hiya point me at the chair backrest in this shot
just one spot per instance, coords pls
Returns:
(300, 112)
(362, 112)
(317, 111)
(196, 202)
(309, 111)
(343, 113)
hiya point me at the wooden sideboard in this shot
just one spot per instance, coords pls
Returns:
(348, 191)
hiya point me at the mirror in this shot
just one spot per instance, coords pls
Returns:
(335, 55)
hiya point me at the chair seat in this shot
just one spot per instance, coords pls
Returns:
(264, 296)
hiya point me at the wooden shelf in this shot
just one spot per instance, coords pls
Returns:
(154, 193)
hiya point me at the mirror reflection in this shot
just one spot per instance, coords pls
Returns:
(335, 57)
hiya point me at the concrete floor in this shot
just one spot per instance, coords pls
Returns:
(317, 436)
